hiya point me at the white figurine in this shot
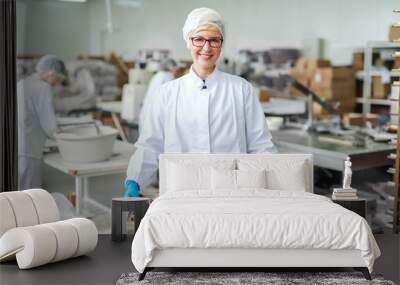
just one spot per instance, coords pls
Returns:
(347, 174)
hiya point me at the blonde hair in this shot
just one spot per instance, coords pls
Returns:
(206, 27)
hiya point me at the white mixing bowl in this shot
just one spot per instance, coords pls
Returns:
(82, 144)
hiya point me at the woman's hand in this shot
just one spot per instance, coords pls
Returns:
(132, 188)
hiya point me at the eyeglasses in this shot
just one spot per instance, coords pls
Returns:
(201, 42)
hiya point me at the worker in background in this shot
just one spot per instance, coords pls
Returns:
(167, 71)
(36, 118)
(78, 94)
(204, 111)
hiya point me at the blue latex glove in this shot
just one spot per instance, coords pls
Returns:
(132, 188)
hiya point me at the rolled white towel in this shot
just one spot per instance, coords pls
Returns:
(87, 234)
(67, 240)
(32, 246)
(23, 208)
(46, 207)
(7, 218)
(40, 244)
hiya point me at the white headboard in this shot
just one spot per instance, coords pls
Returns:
(267, 159)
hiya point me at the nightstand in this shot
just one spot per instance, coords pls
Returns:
(137, 205)
(358, 206)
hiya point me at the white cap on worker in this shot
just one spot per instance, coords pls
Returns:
(200, 17)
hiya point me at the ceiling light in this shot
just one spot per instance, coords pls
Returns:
(129, 3)
(75, 1)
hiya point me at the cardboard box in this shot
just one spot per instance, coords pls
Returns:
(394, 33)
(337, 83)
(300, 65)
(308, 67)
(345, 106)
(373, 119)
(345, 90)
(300, 77)
(314, 64)
(358, 61)
(294, 91)
(354, 119)
(264, 95)
(334, 73)
(358, 119)
(379, 90)
(396, 64)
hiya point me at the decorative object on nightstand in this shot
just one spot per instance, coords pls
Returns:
(346, 192)
(137, 205)
(357, 206)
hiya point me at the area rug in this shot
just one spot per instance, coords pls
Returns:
(244, 278)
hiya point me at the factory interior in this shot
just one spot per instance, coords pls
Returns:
(325, 75)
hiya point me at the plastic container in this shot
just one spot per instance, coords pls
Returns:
(82, 144)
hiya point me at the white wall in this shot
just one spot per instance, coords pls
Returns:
(68, 29)
(21, 26)
(345, 24)
(53, 27)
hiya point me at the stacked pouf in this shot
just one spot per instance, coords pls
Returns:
(31, 233)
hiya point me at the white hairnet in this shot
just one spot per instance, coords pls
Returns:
(52, 65)
(199, 17)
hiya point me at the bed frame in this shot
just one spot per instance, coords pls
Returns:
(241, 259)
(256, 258)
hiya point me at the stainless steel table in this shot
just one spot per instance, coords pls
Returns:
(117, 163)
(331, 155)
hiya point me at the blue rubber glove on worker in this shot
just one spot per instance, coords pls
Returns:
(132, 188)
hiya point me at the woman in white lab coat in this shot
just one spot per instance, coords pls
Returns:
(205, 111)
(36, 118)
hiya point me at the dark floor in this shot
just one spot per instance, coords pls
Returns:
(110, 260)
(389, 262)
(103, 266)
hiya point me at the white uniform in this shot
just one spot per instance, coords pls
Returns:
(36, 122)
(80, 94)
(158, 79)
(225, 117)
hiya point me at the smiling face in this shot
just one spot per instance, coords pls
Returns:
(205, 57)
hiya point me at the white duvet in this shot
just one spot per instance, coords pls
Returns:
(251, 218)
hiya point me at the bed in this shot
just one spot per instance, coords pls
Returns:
(247, 210)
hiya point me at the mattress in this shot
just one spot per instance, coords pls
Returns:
(251, 219)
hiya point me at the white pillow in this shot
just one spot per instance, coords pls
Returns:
(225, 179)
(293, 181)
(193, 174)
(282, 174)
(251, 178)
(183, 178)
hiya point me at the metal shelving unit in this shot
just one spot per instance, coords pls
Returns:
(368, 51)
(382, 102)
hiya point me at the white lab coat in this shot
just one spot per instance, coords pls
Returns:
(80, 94)
(158, 79)
(226, 117)
(36, 122)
